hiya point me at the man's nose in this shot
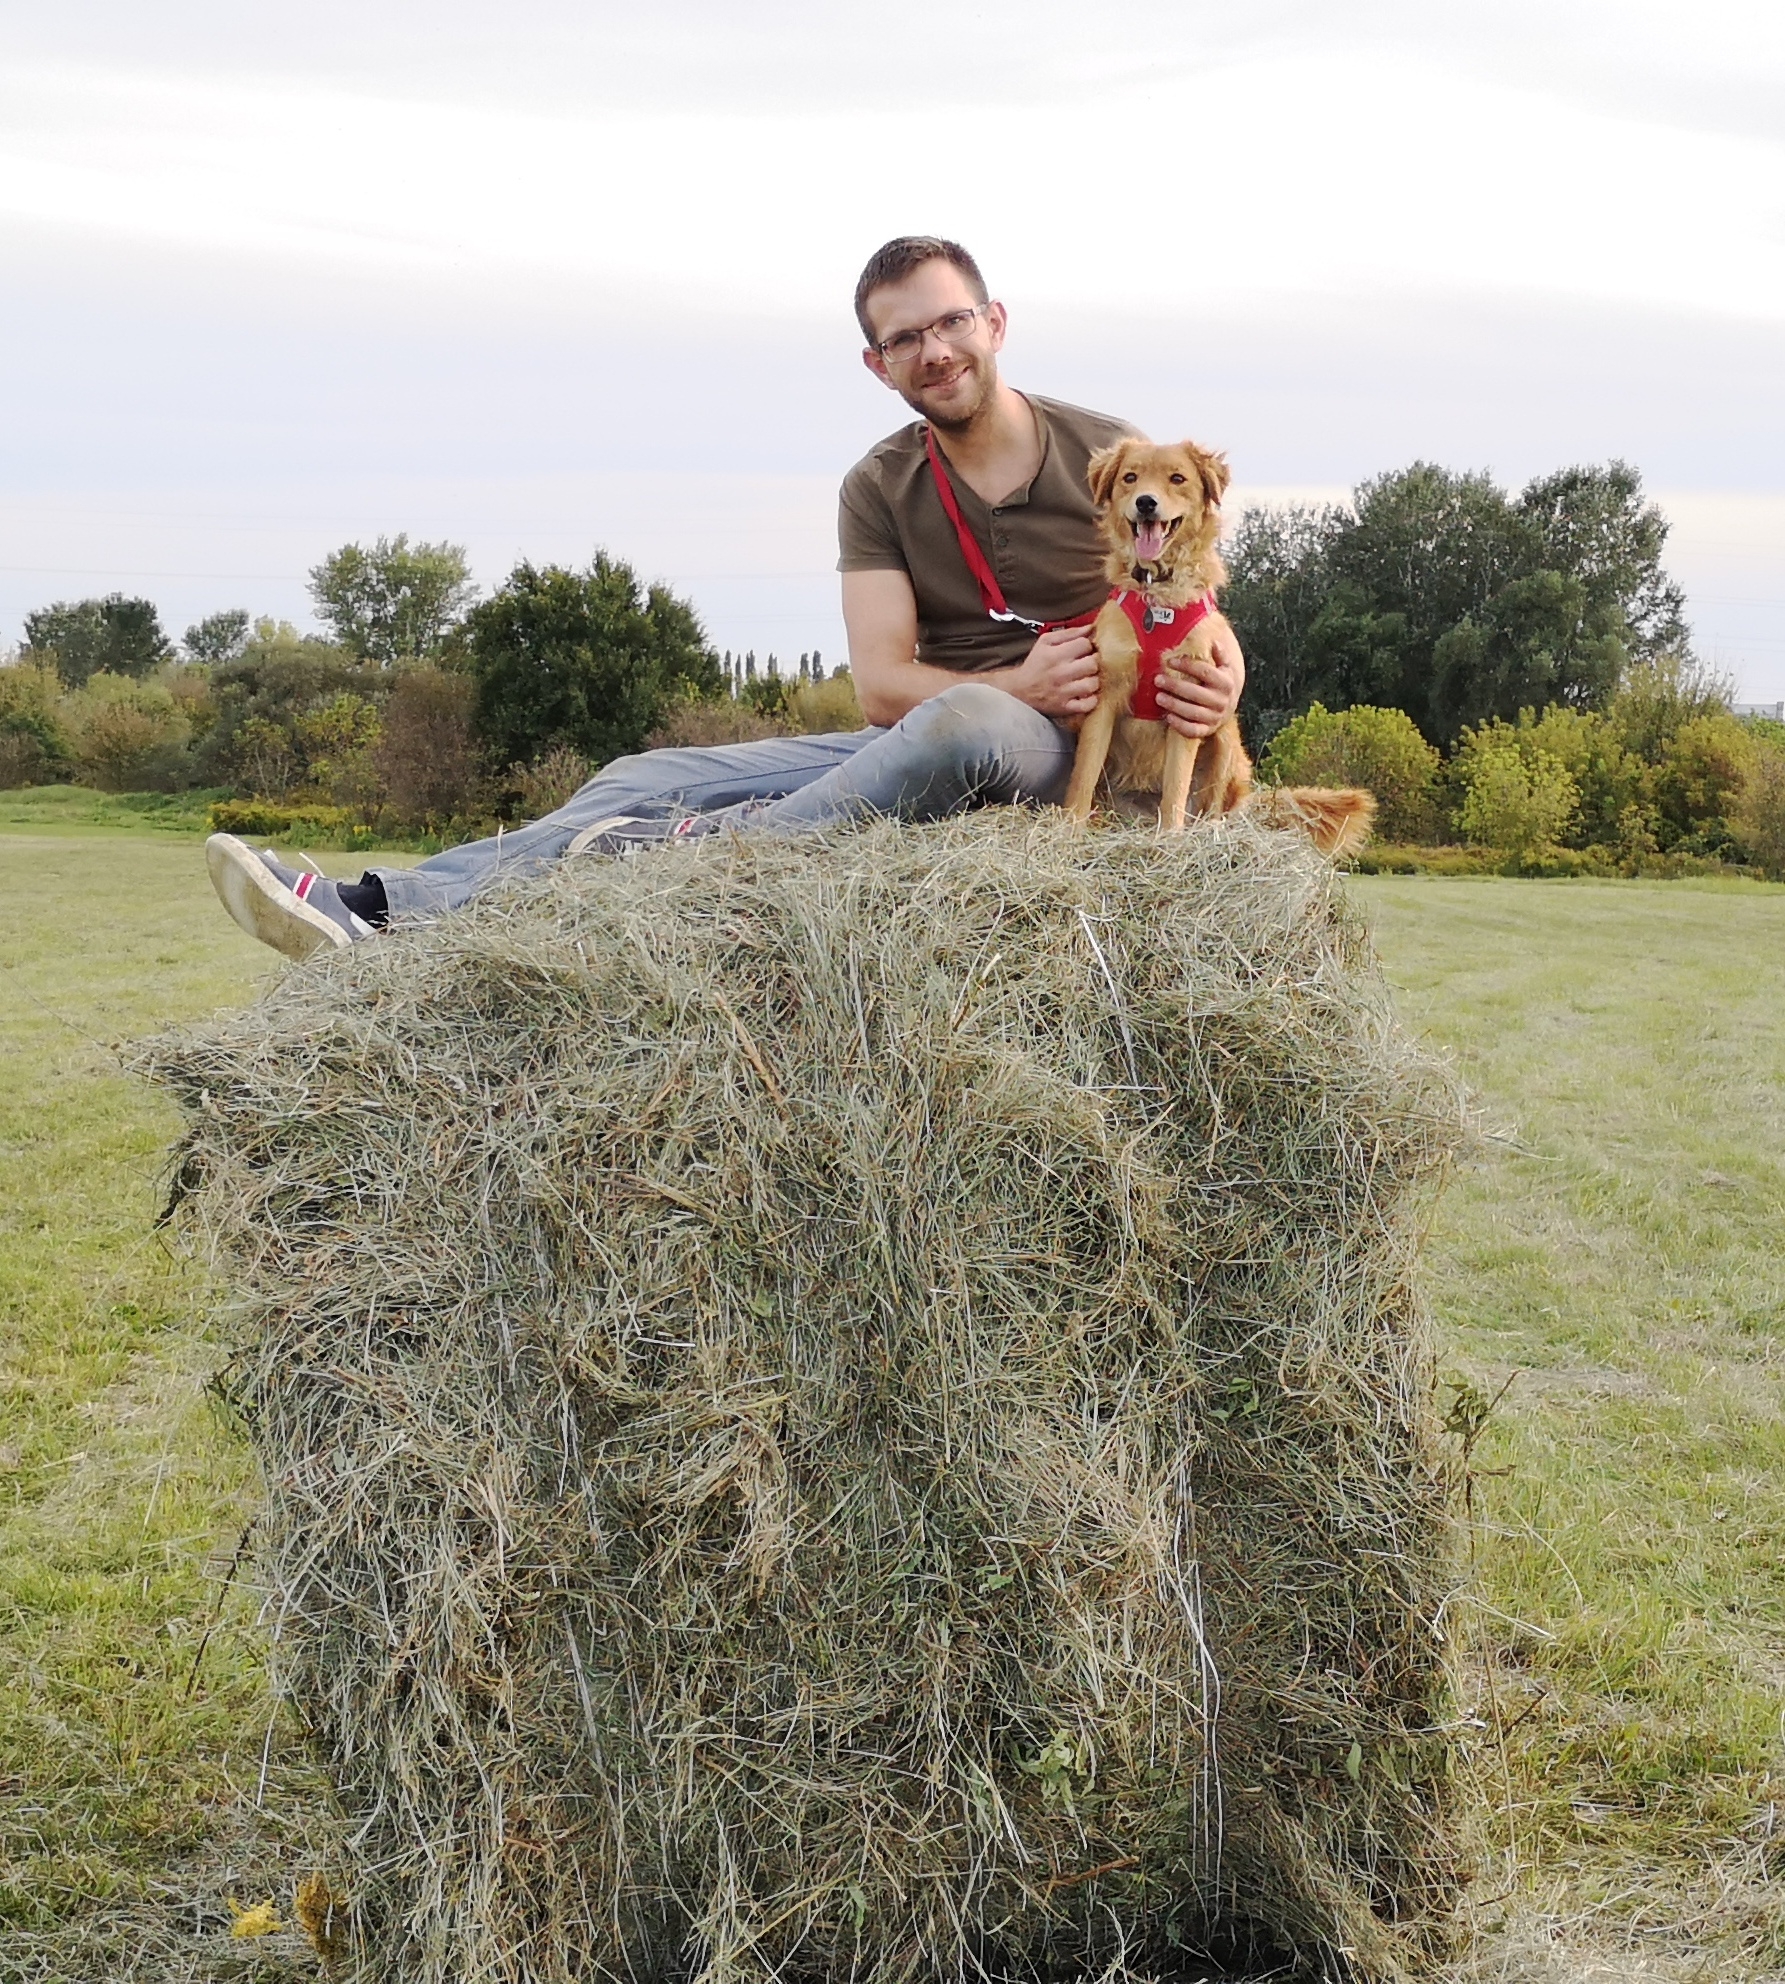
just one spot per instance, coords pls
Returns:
(1146, 505)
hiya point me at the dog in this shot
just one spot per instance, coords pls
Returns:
(1159, 509)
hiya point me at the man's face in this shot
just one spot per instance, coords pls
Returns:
(949, 384)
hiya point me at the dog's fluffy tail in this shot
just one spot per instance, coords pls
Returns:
(1336, 819)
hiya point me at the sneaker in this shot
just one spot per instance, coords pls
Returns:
(297, 913)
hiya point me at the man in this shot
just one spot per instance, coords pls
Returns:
(963, 673)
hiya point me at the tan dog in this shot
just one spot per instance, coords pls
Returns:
(1160, 512)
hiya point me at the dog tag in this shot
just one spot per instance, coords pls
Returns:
(1157, 616)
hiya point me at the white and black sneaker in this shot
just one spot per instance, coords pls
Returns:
(298, 912)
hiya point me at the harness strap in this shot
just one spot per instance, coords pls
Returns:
(991, 594)
(1158, 629)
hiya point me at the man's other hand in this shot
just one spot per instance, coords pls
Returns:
(1058, 676)
(1197, 700)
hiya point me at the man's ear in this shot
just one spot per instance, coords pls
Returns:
(1215, 476)
(877, 365)
(1102, 469)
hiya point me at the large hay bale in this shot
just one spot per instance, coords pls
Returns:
(852, 1407)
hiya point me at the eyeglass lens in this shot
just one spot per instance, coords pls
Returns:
(951, 329)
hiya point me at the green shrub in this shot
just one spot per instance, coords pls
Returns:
(1658, 698)
(1520, 802)
(128, 736)
(262, 819)
(534, 790)
(1759, 814)
(261, 699)
(34, 744)
(426, 757)
(1609, 778)
(1378, 749)
(828, 703)
(339, 740)
(1700, 779)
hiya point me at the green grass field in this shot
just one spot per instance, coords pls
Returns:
(1614, 1256)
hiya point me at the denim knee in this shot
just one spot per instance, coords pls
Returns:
(976, 717)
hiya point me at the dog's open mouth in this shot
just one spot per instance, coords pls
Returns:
(1150, 535)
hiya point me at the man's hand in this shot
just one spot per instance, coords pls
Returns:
(1197, 700)
(1058, 676)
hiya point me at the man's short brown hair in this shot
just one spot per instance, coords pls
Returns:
(899, 258)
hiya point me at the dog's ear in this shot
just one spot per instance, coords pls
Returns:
(1215, 477)
(1102, 469)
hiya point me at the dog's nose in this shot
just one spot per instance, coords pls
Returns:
(1146, 505)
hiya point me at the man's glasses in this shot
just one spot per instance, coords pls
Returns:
(955, 328)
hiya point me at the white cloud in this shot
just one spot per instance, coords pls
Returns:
(1315, 172)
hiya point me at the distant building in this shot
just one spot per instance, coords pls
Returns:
(1775, 710)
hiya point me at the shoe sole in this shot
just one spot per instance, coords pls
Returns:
(264, 906)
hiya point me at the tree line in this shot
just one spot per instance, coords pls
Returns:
(420, 707)
(1512, 669)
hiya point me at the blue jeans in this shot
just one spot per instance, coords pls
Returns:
(973, 745)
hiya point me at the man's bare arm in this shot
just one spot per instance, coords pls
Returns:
(1058, 676)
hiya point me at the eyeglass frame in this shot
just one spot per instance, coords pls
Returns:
(922, 331)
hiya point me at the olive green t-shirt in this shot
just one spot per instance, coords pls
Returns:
(1041, 541)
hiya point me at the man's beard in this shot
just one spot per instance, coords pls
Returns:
(962, 413)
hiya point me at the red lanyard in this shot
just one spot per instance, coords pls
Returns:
(991, 594)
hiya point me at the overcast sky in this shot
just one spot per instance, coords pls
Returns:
(541, 276)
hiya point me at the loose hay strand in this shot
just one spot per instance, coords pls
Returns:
(851, 1407)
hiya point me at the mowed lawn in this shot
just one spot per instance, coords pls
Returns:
(1615, 1255)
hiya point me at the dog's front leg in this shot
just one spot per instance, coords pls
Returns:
(1118, 660)
(1174, 790)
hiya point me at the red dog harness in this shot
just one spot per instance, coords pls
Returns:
(1159, 629)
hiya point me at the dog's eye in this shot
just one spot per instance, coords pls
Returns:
(1131, 477)
(1177, 478)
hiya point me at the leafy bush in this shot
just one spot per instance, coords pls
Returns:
(261, 819)
(821, 706)
(586, 659)
(427, 757)
(708, 720)
(765, 706)
(339, 740)
(263, 699)
(128, 736)
(1700, 780)
(1759, 815)
(34, 744)
(1658, 697)
(1379, 749)
(1521, 802)
(543, 786)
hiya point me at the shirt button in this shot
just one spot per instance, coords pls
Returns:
(1002, 540)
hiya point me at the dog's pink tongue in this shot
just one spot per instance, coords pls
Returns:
(1149, 541)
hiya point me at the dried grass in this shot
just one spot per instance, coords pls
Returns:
(852, 1407)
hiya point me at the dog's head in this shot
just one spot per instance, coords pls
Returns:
(1160, 507)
